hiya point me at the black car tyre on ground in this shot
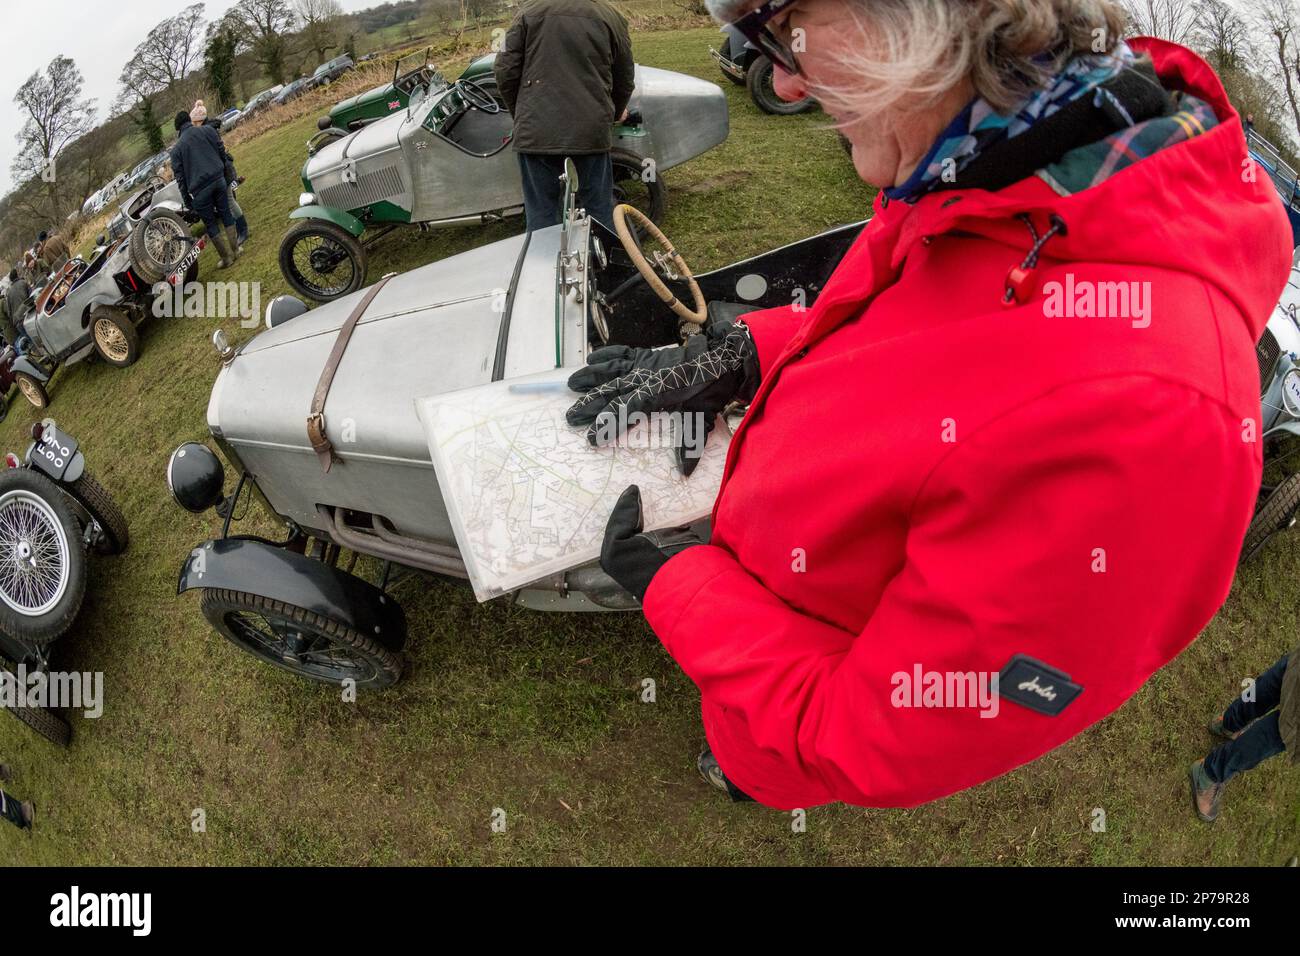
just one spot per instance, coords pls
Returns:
(630, 185)
(90, 494)
(117, 341)
(42, 560)
(299, 641)
(321, 260)
(47, 723)
(33, 390)
(763, 93)
(1275, 514)
(158, 244)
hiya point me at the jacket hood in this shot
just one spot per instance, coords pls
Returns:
(1199, 206)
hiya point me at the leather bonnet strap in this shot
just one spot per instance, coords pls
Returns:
(320, 442)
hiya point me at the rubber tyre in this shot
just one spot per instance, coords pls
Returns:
(54, 623)
(759, 83)
(322, 228)
(217, 603)
(48, 723)
(146, 266)
(120, 321)
(4, 408)
(32, 390)
(1274, 515)
(627, 166)
(90, 494)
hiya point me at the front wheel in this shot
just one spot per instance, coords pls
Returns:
(33, 390)
(299, 641)
(99, 504)
(321, 260)
(763, 92)
(117, 341)
(639, 185)
(42, 561)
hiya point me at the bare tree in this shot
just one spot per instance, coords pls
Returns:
(1222, 36)
(55, 115)
(1173, 20)
(320, 24)
(264, 26)
(1277, 20)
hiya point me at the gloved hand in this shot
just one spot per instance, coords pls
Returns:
(632, 556)
(714, 368)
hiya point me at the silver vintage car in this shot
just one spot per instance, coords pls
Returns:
(518, 306)
(446, 159)
(94, 306)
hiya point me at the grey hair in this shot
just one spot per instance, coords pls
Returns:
(917, 50)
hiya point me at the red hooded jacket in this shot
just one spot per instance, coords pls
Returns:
(929, 482)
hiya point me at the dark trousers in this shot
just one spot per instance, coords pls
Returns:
(1259, 717)
(544, 193)
(212, 203)
(10, 811)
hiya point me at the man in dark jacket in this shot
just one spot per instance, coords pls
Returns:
(233, 179)
(566, 74)
(1264, 726)
(199, 165)
(16, 297)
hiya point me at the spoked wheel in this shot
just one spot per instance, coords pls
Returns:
(42, 562)
(32, 390)
(300, 641)
(117, 341)
(322, 261)
(159, 243)
(630, 186)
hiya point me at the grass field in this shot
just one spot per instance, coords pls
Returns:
(540, 715)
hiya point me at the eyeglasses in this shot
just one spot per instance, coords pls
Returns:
(753, 27)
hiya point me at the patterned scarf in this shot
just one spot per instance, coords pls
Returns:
(979, 126)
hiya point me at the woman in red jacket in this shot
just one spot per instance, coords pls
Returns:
(1012, 446)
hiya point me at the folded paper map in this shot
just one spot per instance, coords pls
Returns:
(528, 496)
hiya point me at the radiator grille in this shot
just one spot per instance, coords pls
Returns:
(1267, 352)
(371, 187)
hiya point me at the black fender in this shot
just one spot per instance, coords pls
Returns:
(23, 364)
(277, 574)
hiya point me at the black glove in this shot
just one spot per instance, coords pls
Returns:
(632, 556)
(714, 368)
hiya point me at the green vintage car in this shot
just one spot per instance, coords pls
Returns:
(411, 72)
(445, 160)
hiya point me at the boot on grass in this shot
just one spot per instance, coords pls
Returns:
(1206, 794)
(232, 238)
(222, 245)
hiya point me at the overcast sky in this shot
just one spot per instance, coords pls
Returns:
(98, 36)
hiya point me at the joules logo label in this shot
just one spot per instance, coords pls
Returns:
(76, 909)
(1083, 299)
